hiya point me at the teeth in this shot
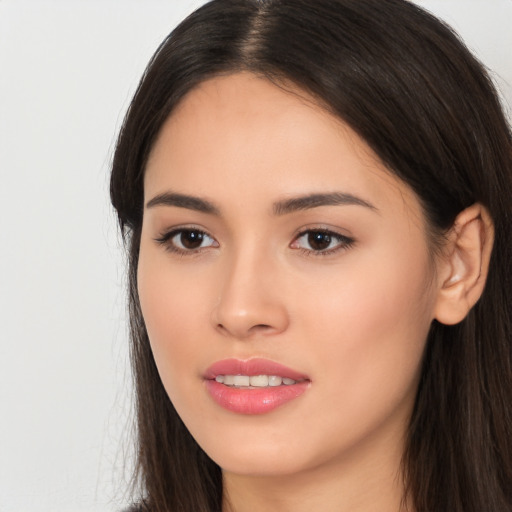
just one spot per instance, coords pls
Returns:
(274, 380)
(259, 381)
(241, 380)
(254, 381)
(229, 380)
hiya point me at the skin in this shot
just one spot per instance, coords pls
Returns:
(354, 319)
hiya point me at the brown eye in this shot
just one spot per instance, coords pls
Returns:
(319, 241)
(189, 239)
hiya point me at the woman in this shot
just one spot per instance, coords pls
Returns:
(316, 201)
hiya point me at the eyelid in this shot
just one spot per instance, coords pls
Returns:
(165, 239)
(344, 241)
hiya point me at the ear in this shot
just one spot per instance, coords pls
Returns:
(463, 268)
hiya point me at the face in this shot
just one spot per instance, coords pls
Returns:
(285, 281)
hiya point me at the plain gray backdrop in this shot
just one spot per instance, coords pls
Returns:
(68, 69)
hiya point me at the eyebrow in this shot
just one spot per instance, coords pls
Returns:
(282, 207)
(183, 201)
(316, 200)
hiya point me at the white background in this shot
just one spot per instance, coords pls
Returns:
(68, 69)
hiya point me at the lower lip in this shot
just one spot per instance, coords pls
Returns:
(256, 400)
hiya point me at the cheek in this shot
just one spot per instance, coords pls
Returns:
(367, 294)
(173, 308)
(370, 327)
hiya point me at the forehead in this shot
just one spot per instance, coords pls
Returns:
(245, 135)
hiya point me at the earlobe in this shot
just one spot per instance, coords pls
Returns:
(464, 266)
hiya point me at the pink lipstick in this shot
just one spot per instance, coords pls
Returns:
(255, 386)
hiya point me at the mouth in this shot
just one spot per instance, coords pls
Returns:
(255, 386)
(254, 381)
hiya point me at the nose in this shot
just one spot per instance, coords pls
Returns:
(250, 301)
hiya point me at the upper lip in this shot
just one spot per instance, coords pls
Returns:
(251, 367)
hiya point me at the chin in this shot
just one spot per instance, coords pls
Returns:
(262, 465)
(261, 456)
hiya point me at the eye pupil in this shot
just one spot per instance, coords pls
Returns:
(191, 239)
(319, 241)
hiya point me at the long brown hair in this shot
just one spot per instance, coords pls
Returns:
(411, 89)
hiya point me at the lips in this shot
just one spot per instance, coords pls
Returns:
(285, 384)
(252, 367)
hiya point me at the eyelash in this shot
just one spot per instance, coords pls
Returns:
(166, 240)
(344, 242)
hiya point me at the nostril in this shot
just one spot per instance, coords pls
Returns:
(261, 327)
(245, 333)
